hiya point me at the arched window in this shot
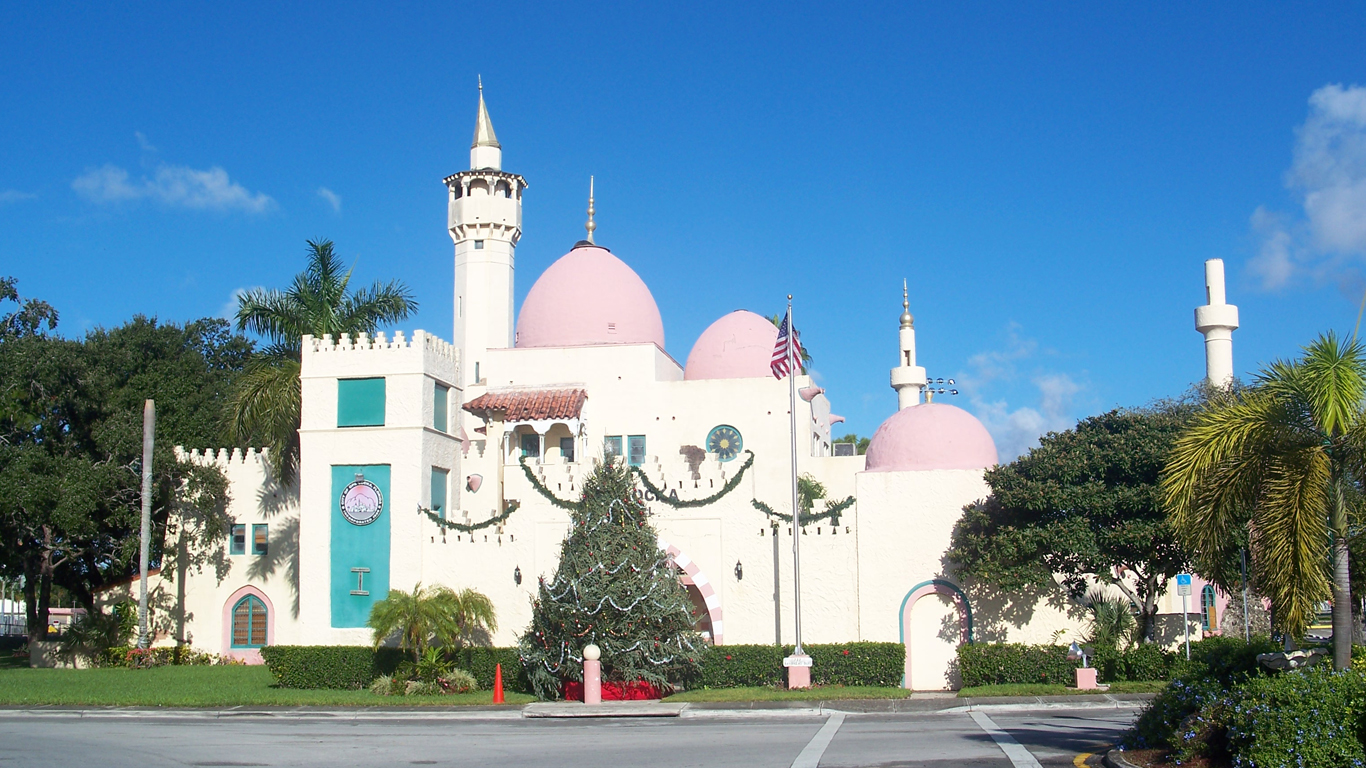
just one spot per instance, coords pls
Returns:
(249, 623)
(1207, 617)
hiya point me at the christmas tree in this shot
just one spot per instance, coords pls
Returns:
(614, 587)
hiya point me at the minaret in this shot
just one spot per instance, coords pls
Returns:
(1217, 320)
(485, 221)
(908, 379)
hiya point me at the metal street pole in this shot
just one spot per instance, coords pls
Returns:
(149, 428)
(1185, 619)
(796, 507)
(1247, 628)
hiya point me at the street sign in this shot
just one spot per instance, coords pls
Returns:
(797, 661)
(1183, 584)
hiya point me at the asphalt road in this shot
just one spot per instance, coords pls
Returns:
(992, 738)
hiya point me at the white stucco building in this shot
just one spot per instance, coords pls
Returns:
(410, 471)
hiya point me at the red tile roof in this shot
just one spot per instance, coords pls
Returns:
(530, 404)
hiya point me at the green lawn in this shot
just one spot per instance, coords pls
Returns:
(1031, 689)
(196, 687)
(815, 693)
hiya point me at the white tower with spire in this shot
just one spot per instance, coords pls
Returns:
(1217, 320)
(908, 379)
(485, 221)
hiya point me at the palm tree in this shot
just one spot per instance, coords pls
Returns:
(265, 407)
(433, 615)
(1283, 458)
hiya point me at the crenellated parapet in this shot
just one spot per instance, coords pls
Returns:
(224, 457)
(380, 354)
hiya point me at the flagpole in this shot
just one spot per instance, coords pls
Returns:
(796, 507)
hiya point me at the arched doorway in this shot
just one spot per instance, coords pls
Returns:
(699, 588)
(248, 624)
(931, 646)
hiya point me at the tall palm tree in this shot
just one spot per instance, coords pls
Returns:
(432, 615)
(265, 407)
(1285, 458)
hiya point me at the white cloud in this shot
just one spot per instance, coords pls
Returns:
(333, 199)
(143, 142)
(229, 309)
(14, 196)
(1018, 429)
(174, 186)
(1328, 174)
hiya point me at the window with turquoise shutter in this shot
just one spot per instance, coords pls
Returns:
(440, 396)
(360, 402)
(249, 623)
(440, 479)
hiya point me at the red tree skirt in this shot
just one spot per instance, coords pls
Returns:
(633, 691)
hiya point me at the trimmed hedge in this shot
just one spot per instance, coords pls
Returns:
(736, 666)
(1016, 663)
(180, 655)
(727, 666)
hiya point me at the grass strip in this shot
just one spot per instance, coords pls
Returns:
(1032, 689)
(234, 686)
(814, 693)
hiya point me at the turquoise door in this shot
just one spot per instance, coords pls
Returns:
(360, 541)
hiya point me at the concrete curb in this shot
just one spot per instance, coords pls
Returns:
(700, 709)
(1116, 759)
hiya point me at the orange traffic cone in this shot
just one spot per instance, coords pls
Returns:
(498, 684)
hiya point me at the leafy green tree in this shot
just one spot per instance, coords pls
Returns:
(434, 615)
(1284, 458)
(29, 318)
(614, 588)
(70, 449)
(266, 405)
(1086, 505)
(860, 443)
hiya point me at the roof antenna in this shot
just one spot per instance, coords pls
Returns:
(591, 225)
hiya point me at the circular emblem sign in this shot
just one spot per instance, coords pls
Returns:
(725, 441)
(361, 502)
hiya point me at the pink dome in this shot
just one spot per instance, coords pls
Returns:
(738, 346)
(931, 436)
(589, 297)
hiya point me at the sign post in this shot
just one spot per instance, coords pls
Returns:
(1183, 588)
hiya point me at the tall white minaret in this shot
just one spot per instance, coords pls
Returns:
(1217, 320)
(485, 221)
(908, 379)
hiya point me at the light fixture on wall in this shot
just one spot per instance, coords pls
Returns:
(517, 575)
(473, 482)
(809, 393)
(739, 571)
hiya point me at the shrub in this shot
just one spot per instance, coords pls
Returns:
(321, 666)
(481, 662)
(1014, 663)
(1310, 718)
(736, 666)
(459, 681)
(179, 655)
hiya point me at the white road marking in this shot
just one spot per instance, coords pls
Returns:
(1019, 756)
(811, 755)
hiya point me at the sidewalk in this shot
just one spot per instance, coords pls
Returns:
(917, 704)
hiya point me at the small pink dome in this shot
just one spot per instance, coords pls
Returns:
(586, 298)
(931, 436)
(738, 346)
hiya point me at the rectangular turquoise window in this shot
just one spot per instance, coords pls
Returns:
(439, 407)
(260, 535)
(635, 448)
(360, 402)
(439, 482)
(238, 545)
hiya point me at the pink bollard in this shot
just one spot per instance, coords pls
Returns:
(592, 675)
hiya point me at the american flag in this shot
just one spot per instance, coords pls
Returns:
(787, 352)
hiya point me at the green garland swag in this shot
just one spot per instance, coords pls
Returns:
(512, 506)
(831, 513)
(652, 491)
(671, 497)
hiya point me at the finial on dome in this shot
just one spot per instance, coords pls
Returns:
(591, 225)
(907, 320)
(483, 126)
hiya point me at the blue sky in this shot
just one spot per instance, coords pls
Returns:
(1048, 177)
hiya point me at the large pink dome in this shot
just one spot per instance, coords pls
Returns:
(931, 436)
(589, 297)
(738, 346)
